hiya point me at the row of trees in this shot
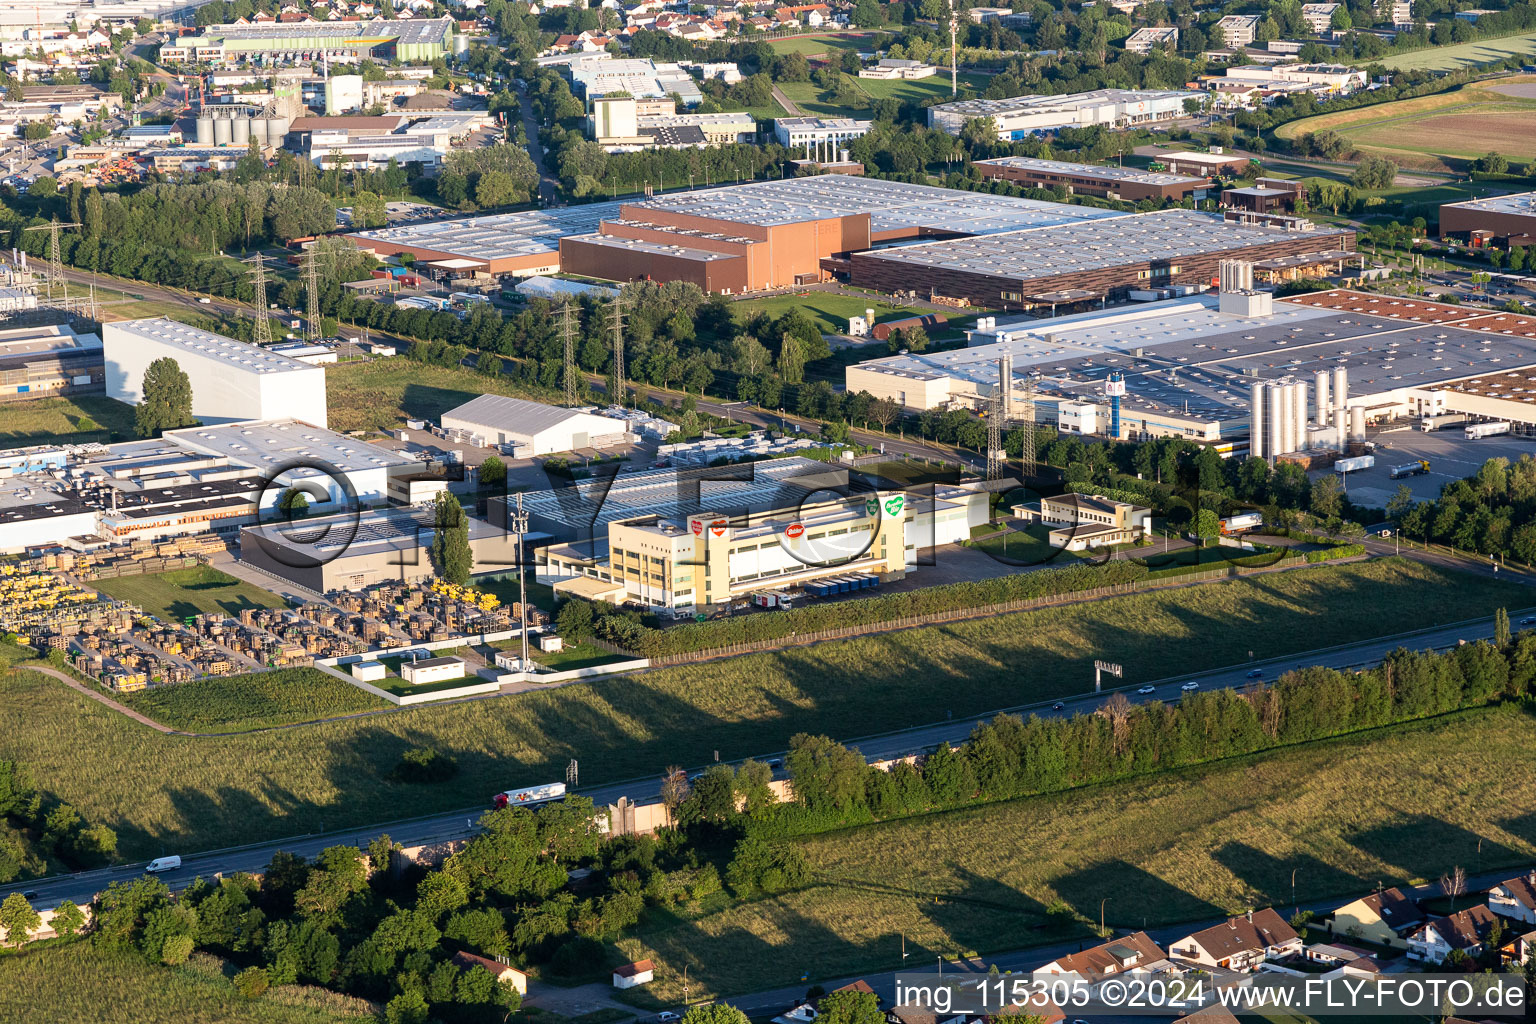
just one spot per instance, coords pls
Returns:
(1492, 512)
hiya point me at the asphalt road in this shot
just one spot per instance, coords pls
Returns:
(81, 888)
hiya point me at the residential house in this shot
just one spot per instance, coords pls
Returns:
(1242, 943)
(1135, 954)
(503, 973)
(1519, 949)
(1465, 930)
(1346, 960)
(1515, 898)
(1386, 918)
(1213, 1014)
(1238, 29)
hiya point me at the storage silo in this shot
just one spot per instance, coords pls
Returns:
(1298, 416)
(1320, 386)
(1340, 392)
(1276, 421)
(1357, 423)
(277, 130)
(1256, 438)
(223, 131)
(205, 129)
(240, 131)
(259, 131)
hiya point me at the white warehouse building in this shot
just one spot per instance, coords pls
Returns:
(532, 428)
(231, 380)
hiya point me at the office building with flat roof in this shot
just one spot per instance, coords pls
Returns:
(230, 379)
(1019, 117)
(401, 39)
(48, 361)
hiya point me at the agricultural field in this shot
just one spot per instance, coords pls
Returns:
(381, 394)
(78, 983)
(65, 421)
(175, 595)
(1182, 846)
(1462, 55)
(1443, 132)
(260, 700)
(811, 45)
(212, 792)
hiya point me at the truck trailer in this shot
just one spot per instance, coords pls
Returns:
(529, 795)
(1429, 423)
(1241, 523)
(1354, 464)
(1477, 430)
(1416, 468)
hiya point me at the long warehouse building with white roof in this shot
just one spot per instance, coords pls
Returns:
(230, 379)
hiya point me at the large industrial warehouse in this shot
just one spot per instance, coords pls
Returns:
(1131, 184)
(1096, 259)
(1192, 370)
(1019, 117)
(730, 238)
(1508, 219)
(777, 234)
(532, 428)
(231, 380)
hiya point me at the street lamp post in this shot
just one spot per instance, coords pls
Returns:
(1295, 907)
(1103, 901)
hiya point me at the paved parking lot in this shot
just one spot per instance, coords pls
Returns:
(1450, 455)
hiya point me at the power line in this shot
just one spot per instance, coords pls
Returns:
(262, 333)
(312, 287)
(616, 324)
(55, 260)
(568, 329)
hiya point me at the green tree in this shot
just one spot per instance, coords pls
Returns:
(167, 401)
(451, 557)
(294, 504)
(176, 950)
(1207, 525)
(1327, 496)
(1501, 628)
(849, 1007)
(18, 919)
(368, 211)
(791, 360)
(574, 621)
(68, 918)
(252, 983)
(714, 1013)
(493, 473)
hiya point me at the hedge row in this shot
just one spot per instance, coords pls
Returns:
(813, 618)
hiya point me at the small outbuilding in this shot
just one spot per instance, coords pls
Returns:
(432, 670)
(500, 971)
(368, 671)
(495, 420)
(642, 972)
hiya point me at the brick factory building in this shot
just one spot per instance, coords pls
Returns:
(1131, 184)
(1085, 261)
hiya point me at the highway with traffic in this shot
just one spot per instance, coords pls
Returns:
(461, 824)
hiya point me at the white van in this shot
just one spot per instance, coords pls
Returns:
(160, 864)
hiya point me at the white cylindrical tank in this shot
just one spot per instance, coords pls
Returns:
(1340, 393)
(259, 131)
(1357, 423)
(1320, 386)
(277, 129)
(1275, 445)
(205, 130)
(223, 131)
(1299, 417)
(240, 131)
(1256, 438)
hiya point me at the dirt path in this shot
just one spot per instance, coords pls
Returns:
(786, 103)
(101, 698)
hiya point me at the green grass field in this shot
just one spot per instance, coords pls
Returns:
(811, 45)
(808, 95)
(179, 593)
(380, 394)
(256, 701)
(1403, 805)
(77, 983)
(200, 793)
(830, 310)
(1461, 55)
(65, 421)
